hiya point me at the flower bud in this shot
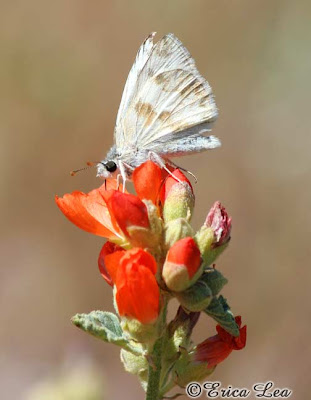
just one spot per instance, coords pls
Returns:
(220, 222)
(175, 230)
(214, 235)
(182, 265)
(177, 197)
(188, 371)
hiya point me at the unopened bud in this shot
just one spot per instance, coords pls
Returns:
(177, 197)
(182, 266)
(214, 235)
(175, 230)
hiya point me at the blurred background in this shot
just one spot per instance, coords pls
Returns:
(62, 71)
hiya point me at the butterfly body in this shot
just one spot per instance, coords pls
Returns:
(167, 107)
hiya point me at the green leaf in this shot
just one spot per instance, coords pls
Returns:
(103, 325)
(214, 280)
(219, 310)
(196, 298)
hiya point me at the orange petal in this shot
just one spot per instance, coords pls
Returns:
(140, 257)
(108, 249)
(138, 296)
(127, 209)
(112, 263)
(138, 293)
(147, 180)
(88, 211)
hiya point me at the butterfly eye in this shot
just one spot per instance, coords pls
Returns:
(111, 166)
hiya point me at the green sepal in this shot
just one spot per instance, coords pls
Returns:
(187, 371)
(214, 280)
(220, 311)
(139, 332)
(105, 326)
(210, 256)
(197, 297)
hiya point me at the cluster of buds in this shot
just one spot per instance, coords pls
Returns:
(152, 256)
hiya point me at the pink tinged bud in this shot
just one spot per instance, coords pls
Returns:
(220, 222)
(182, 266)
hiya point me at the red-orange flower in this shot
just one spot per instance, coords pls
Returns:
(89, 211)
(104, 211)
(217, 348)
(108, 212)
(137, 291)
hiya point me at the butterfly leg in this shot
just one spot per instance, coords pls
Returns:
(123, 174)
(118, 181)
(183, 169)
(160, 162)
(128, 166)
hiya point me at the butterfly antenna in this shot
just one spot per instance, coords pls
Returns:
(89, 165)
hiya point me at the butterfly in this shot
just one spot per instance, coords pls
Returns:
(165, 111)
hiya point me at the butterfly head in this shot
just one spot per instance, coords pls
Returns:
(107, 169)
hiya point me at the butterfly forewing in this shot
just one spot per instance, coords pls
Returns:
(165, 97)
(130, 88)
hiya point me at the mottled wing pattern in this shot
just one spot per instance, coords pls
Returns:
(130, 88)
(169, 100)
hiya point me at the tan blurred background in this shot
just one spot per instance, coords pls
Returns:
(62, 70)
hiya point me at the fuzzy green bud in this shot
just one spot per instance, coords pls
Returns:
(177, 197)
(175, 230)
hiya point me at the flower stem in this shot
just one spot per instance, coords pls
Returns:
(154, 371)
(155, 362)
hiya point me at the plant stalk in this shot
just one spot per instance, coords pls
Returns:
(155, 362)
(154, 371)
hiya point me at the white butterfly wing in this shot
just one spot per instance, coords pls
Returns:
(131, 86)
(165, 97)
